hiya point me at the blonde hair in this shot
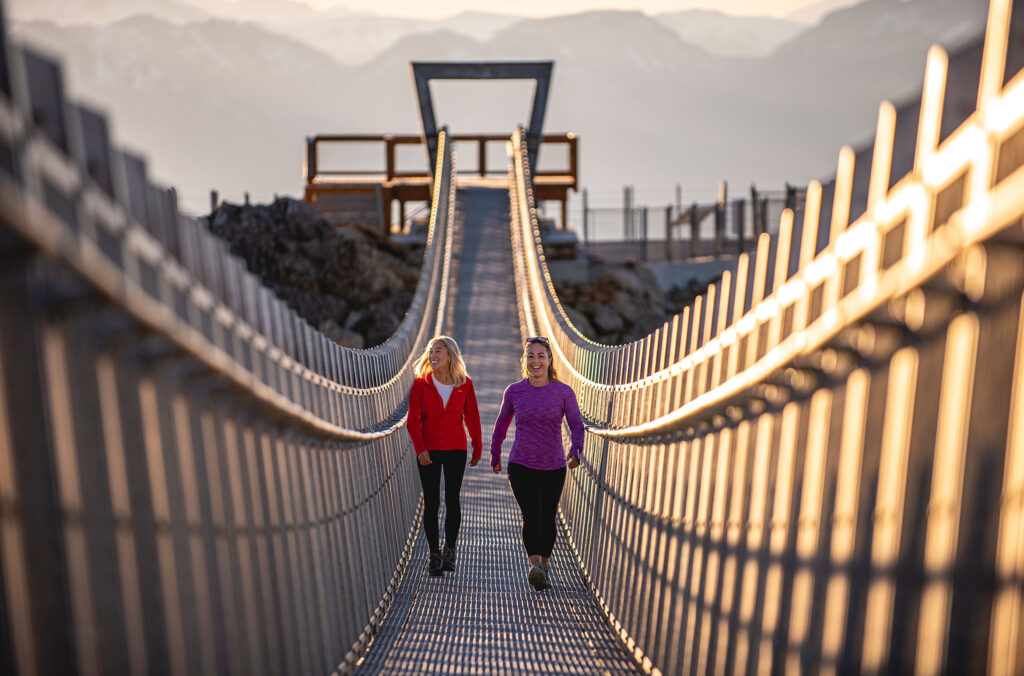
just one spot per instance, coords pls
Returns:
(552, 373)
(456, 368)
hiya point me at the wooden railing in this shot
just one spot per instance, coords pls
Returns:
(391, 173)
(392, 184)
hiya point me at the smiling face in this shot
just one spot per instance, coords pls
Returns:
(537, 361)
(439, 358)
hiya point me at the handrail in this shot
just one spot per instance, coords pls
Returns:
(816, 466)
(697, 350)
(339, 373)
(390, 141)
(155, 394)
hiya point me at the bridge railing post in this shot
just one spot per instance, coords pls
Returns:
(311, 168)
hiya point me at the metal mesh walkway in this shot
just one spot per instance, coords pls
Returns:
(485, 618)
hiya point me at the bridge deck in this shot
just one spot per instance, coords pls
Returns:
(485, 618)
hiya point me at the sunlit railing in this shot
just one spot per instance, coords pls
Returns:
(192, 479)
(817, 466)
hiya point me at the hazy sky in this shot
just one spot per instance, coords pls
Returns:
(440, 8)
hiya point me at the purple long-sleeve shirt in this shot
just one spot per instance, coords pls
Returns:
(538, 413)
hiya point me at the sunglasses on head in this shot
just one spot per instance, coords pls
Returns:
(537, 339)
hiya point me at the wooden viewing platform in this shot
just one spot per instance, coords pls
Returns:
(347, 193)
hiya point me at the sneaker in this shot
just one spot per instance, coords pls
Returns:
(448, 559)
(434, 563)
(537, 577)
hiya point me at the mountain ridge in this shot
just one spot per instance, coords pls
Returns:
(650, 109)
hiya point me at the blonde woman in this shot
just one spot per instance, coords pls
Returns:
(442, 405)
(536, 465)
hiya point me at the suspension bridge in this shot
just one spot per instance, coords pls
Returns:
(816, 467)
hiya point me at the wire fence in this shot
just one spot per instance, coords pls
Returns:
(675, 232)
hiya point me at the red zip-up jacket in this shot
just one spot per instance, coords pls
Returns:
(436, 427)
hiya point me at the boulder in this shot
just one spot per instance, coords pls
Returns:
(579, 320)
(607, 320)
(627, 305)
(622, 302)
(351, 278)
(341, 335)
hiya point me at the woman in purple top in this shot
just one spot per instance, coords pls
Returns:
(536, 466)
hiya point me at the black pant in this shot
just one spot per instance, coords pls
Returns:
(537, 491)
(453, 464)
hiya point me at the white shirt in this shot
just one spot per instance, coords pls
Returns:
(444, 390)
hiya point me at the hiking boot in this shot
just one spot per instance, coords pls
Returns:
(448, 559)
(434, 563)
(537, 577)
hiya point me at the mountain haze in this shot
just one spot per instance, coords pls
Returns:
(727, 35)
(227, 105)
(814, 13)
(215, 104)
(66, 12)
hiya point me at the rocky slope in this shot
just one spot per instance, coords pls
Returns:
(349, 282)
(622, 303)
(355, 286)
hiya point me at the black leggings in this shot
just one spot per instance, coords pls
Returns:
(537, 491)
(453, 463)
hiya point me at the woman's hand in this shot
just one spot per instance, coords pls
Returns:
(424, 458)
(474, 462)
(574, 461)
(496, 468)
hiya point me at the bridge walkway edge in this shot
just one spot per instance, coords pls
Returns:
(485, 617)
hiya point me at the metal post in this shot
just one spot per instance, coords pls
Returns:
(389, 156)
(720, 218)
(754, 203)
(625, 212)
(739, 217)
(694, 234)
(586, 218)
(668, 233)
(311, 167)
(643, 233)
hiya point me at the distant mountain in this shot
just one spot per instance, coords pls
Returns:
(350, 37)
(478, 25)
(355, 38)
(727, 35)
(890, 40)
(815, 12)
(225, 105)
(261, 11)
(100, 11)
(214, 105)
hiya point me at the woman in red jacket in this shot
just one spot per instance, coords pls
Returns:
(441, 401)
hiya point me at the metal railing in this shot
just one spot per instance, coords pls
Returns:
(192, 479)
(663, 234)
(817, 466)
